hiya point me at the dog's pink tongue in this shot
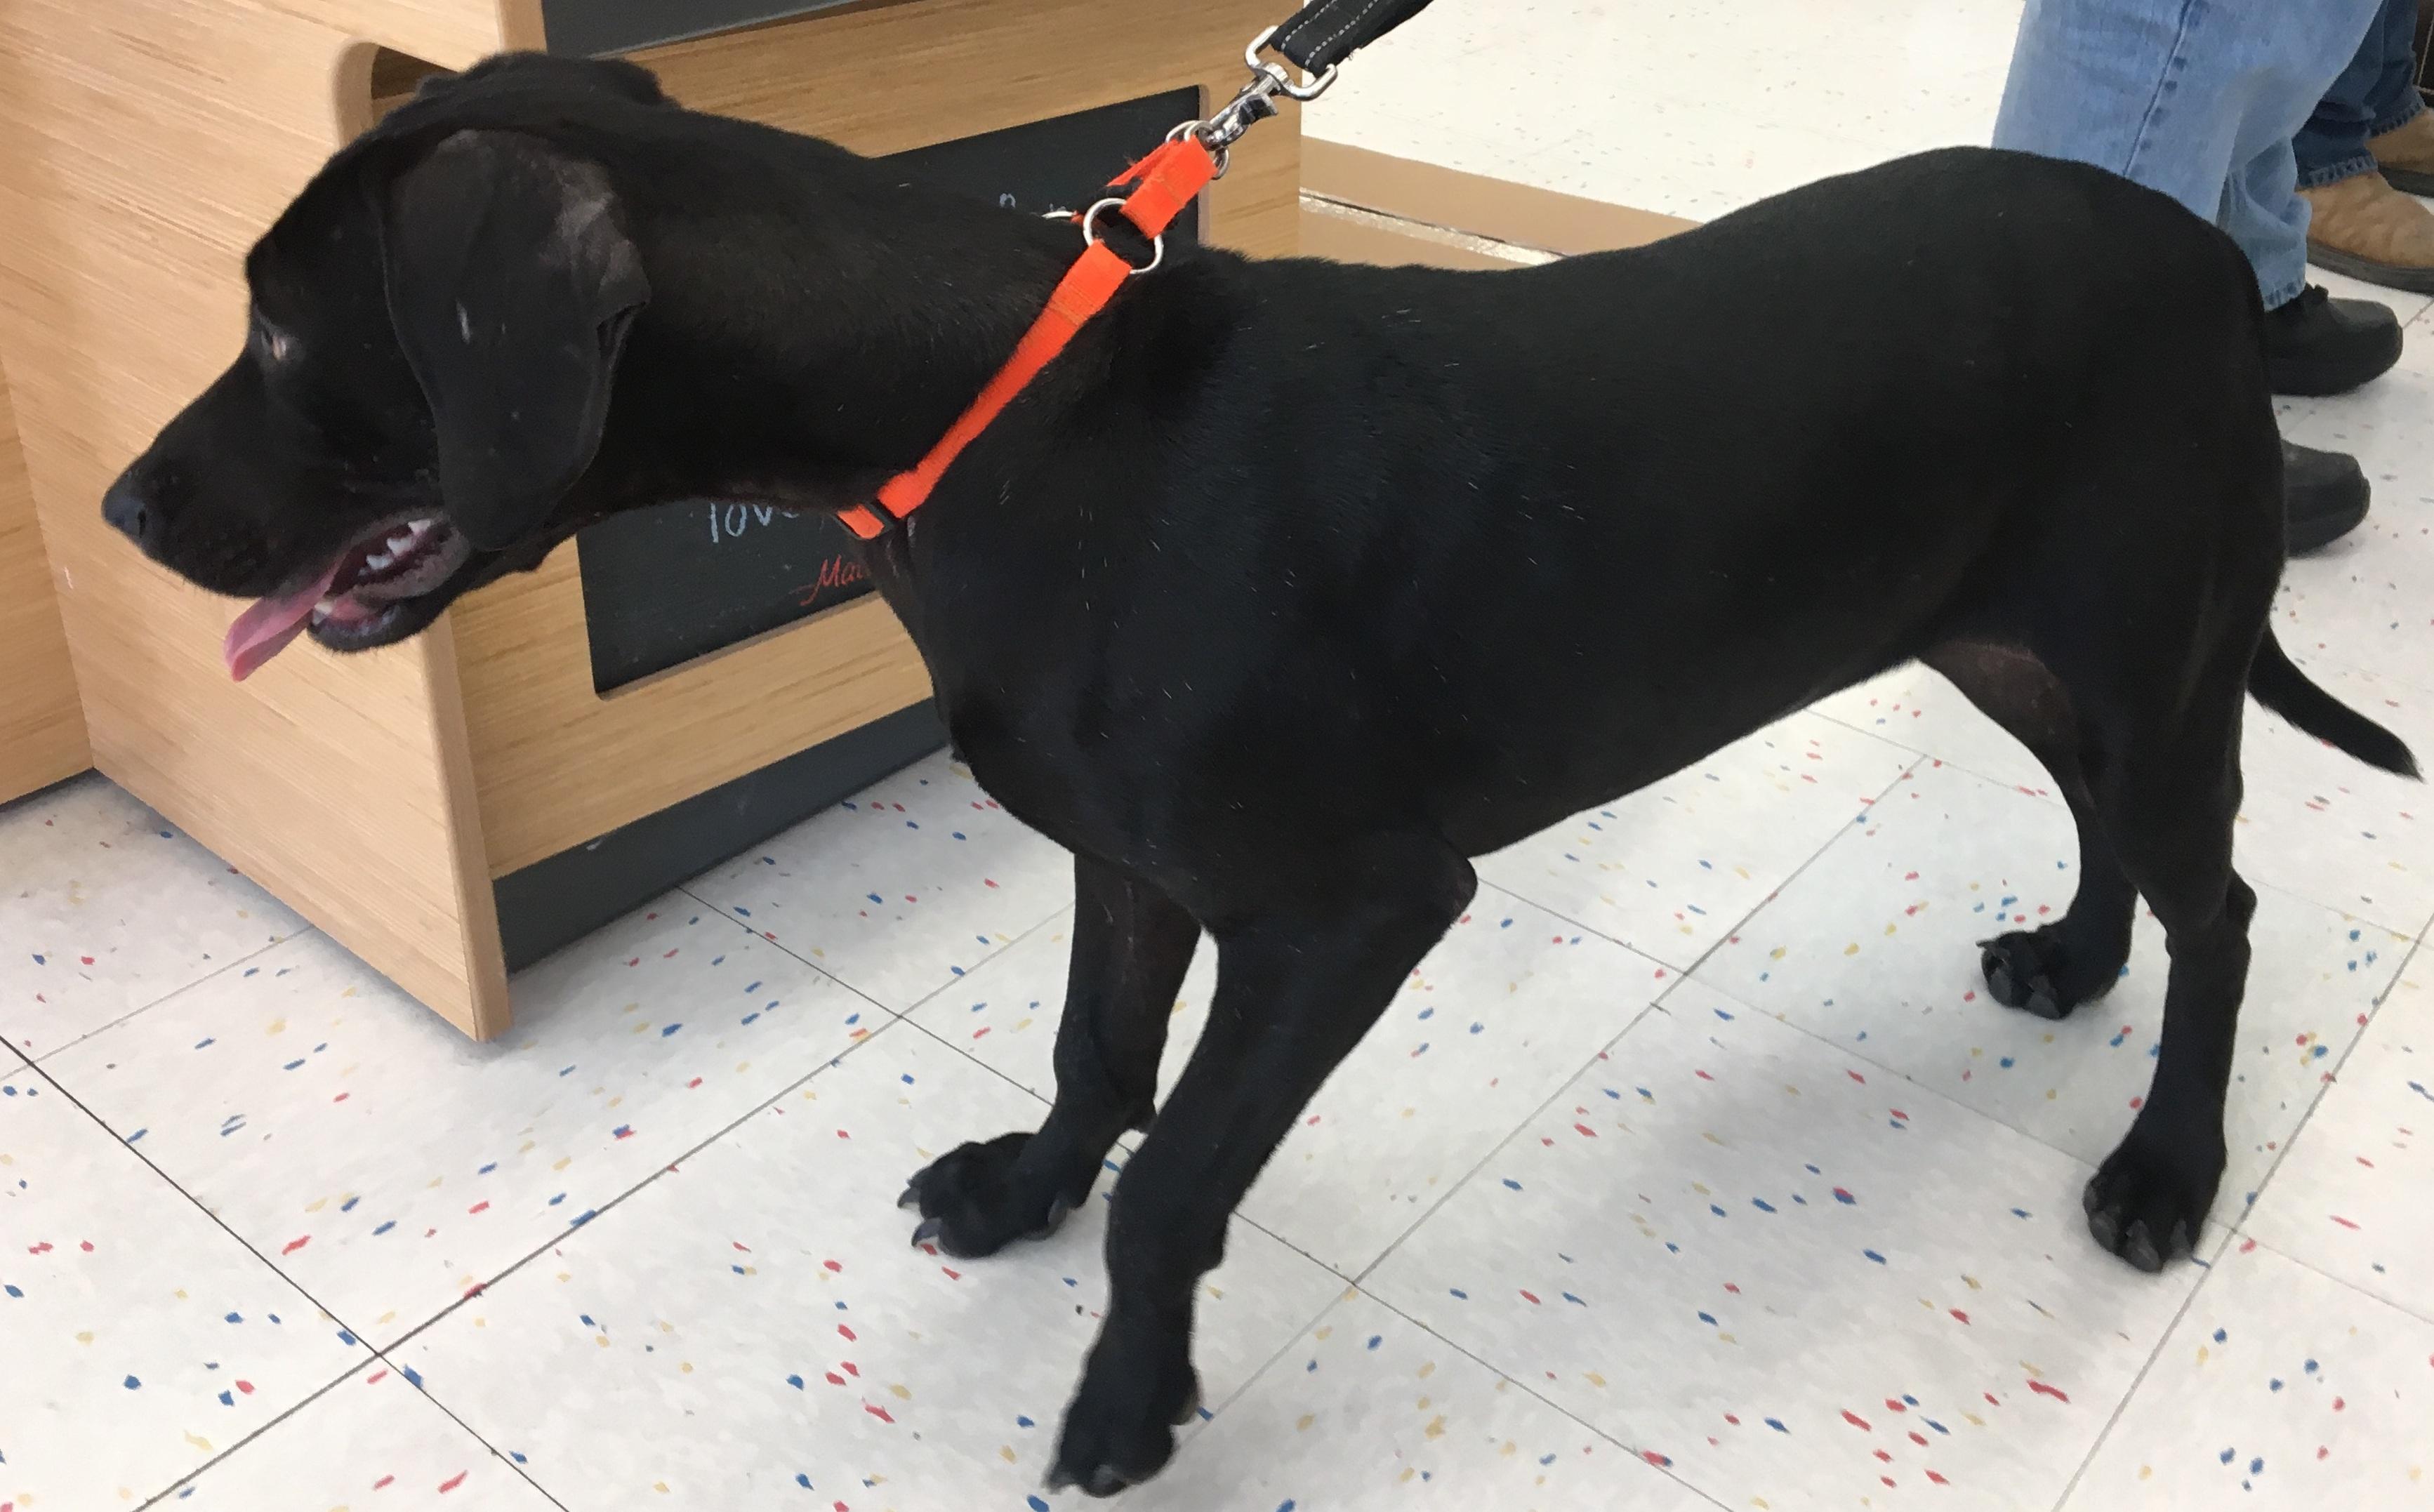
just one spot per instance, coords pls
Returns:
(264, 630)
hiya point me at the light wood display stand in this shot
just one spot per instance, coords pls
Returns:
(143, 145)
(41, 722)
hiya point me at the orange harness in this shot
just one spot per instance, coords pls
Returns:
(1164, 182)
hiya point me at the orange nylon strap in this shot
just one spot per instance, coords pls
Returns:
(1168, 180)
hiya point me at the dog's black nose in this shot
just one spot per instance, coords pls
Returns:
(124, 507)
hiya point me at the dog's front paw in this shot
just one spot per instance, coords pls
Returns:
(2147, 1203)
(976, 1200)
(1120, 1430)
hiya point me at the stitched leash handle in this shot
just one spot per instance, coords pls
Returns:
(1324, 34)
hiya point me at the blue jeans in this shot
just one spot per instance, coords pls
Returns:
(2198, 99)
(2376, 94)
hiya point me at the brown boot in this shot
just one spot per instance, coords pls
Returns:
(2365, 228)
(2406, 154)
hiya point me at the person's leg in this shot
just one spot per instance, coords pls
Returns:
(2402, 131)
(2200, 101)
(2361, 101)
(2360, 224)
(2182, 94)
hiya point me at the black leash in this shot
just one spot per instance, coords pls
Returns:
(1325, 33)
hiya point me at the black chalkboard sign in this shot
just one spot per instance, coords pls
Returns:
(663, 586)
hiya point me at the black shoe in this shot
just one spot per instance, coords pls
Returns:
(2317, 345)
(2323, 497)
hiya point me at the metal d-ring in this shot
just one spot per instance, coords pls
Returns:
(1090, 234)
(1199, 130)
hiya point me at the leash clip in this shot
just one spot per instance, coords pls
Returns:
(1257, 102)
(1311, 87)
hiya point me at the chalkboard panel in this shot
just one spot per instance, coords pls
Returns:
(587, 28)
(663, 586)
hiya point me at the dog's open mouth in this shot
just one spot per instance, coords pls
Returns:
(363, 593)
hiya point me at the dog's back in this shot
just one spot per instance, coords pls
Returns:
(1769, 457)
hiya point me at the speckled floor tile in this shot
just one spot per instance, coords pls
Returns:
(902, 890)
(1787, 1274)
(2354, 1197)
(1693, 109)
(1434, 1428)
(2368, 601)
(137, 1339)
(371, 1441)
(1670, 869)
(1915, 707)
(105, 907)
(1499, 1017)
(2336, 831)
(390, 1164)
(754, 1324)
(1872, 947)
(2279, 1389)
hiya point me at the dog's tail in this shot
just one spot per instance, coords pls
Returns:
(2279, 685)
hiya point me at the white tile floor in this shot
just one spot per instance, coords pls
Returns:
(1692, 1171)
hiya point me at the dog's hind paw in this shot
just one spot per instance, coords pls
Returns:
(977, 1199)
(2150, 1207)
(2036, 973)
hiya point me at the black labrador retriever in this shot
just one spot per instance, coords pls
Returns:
(1292, 587)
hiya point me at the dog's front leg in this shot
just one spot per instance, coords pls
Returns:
(1297, 985)
(1131, 947)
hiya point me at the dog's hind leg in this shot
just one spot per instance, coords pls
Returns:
(1300, 981)
(1131, 947)
(2053, 969)
(2171, 800)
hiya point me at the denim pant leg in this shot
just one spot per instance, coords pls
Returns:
(2376, 94)
(2196, 99)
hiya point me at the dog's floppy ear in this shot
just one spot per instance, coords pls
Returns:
(511, 282)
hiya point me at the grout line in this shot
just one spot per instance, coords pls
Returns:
(812, 966)
(180, 991)
(2245, 1242)
(214, 1219)
(1532, 1390)
(1463, 1181)
(1606, 1050)
(414, 1381)
(2144, 1367)
(766, 938)
(2324, 1089)
(621, 1198)
(377, 1360)
(190, 1477)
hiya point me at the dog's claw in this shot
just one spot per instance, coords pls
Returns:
(1058, 1211)
(1104, 1482)
(911, 1199)
(2146, 1210)
(929, 1230)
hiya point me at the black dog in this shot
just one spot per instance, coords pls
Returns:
(1290, 587)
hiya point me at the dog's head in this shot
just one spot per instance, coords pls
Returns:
(434, 332)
